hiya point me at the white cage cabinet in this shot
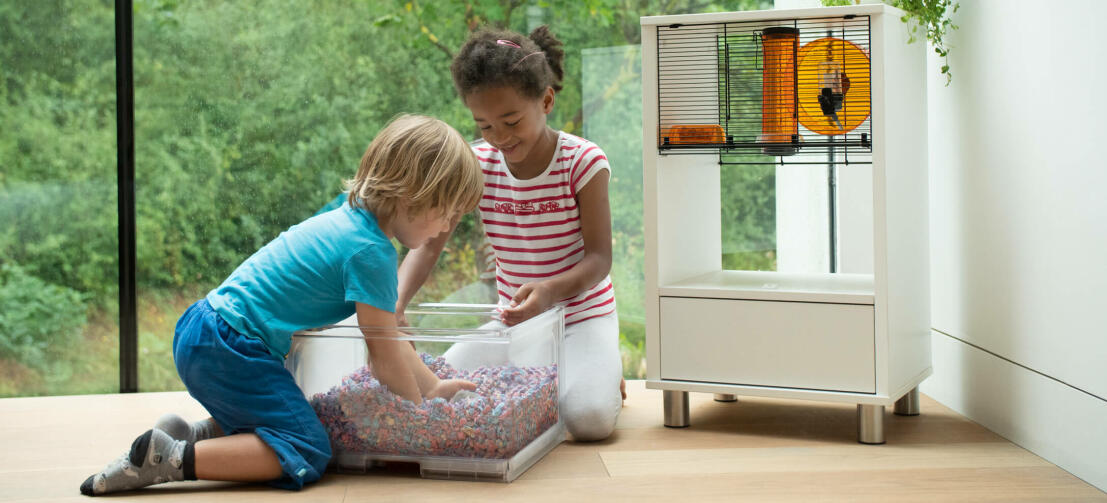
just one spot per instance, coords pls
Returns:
(859, 335)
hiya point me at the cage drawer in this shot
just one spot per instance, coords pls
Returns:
(765, 343)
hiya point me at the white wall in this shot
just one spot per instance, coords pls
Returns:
(1018, 227)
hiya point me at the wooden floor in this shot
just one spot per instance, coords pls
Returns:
(751, 450)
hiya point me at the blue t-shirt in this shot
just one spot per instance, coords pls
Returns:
(310, 275)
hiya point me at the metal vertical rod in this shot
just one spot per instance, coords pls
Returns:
(832, 203)
(795, 83)
(831, 192)
(125, 174)
(726, 91)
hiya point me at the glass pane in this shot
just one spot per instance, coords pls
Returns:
(611, 107)
(749, 216)
(615, 123)
(58, 236)
(249, 116)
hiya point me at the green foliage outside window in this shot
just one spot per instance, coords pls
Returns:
(37, 319)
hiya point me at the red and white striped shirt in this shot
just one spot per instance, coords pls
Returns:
(534, 225)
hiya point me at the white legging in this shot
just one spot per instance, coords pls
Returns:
(593, 368)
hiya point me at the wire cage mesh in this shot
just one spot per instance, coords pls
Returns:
(774, 88)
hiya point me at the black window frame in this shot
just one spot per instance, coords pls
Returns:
(125, 153)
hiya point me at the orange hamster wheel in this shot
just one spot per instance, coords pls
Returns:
(833, 81)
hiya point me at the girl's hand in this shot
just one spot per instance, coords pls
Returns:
(447, 388)
(401, 315)
(530, 300)
(401, 319)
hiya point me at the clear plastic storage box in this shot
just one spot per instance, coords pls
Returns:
(497, 433)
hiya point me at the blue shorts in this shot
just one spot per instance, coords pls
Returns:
(248, 390)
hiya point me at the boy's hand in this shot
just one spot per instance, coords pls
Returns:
(530, 300)
(447, 388)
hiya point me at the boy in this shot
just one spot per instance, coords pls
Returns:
(417, 176)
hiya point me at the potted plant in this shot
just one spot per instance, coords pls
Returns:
(934, 15)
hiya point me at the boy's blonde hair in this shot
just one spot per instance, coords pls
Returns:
(420, 162)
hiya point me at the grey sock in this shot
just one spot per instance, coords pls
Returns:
(155, 457)
(180, 429)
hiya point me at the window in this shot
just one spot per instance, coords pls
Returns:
(248, 117)
(58, 238)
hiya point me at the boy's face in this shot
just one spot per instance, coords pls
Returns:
(414, 231)
(512, 123)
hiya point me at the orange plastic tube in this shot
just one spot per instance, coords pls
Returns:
(779, 120)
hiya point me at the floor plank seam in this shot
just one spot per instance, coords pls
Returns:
(606, 470)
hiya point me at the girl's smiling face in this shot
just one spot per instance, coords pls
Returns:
(515, 125)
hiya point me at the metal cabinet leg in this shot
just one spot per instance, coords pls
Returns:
(725, 397)
(870, 424)
(908, 404)
(676, 408)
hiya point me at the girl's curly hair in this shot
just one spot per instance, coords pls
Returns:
(494, 58)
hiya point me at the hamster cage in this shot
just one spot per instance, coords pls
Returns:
(495, 433)
(836, 94)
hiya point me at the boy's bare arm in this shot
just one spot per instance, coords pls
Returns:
(397, 365)
(389, 357)
(595, 227)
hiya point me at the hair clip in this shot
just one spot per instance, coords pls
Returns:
(524, 58)
(508, 43)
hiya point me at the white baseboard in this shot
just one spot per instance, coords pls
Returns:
(1058, 422)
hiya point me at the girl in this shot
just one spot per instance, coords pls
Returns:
(546, 213)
